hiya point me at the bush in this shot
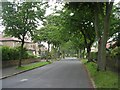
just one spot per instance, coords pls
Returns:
(14, 53)
(30, 55)
(46, 55)
(93, 55)
(24, 54)
(5, 53)
(43, 57)
(49, 55)
(115, 52)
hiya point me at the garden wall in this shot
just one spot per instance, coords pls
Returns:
(15, 62)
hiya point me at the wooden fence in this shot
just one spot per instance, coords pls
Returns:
(113, 63)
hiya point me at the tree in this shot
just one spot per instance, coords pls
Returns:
(49, 33)
(82, 21)
(101, 13)
(104, 10)
(115, 24)
(75, 26)
(20, 19)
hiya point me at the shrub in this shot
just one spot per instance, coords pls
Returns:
(30, 55)
(5, 53)
(43, 57)
(49, 55)
(14, 53)
(93, 55)
(115, 52)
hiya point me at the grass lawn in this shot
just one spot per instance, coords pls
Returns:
(102, 79)
(34, 65)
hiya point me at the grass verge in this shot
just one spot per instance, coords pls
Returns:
(102, 79)
(32, 66)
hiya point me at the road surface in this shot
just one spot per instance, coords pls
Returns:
(67, 73)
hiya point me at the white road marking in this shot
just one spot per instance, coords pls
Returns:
(23, 80)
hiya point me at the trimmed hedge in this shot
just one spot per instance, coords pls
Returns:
(13, 53)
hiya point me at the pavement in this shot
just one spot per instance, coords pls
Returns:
(66, 73)
(9, 71)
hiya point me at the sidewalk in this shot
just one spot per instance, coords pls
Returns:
(11, 70)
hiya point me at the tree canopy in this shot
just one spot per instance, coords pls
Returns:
(21, 19)
(77, 25)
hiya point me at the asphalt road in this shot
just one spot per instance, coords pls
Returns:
(67, 73)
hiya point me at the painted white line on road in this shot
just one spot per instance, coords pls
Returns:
(23, 80)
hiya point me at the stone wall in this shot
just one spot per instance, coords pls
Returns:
(15, 62)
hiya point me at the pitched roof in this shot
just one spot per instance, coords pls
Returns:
(12, 39)
(9, 39)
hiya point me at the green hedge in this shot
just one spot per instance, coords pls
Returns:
(93, 55)
(14, 53)
(46, 55)
(115, 52)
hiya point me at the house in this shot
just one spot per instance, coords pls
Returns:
(35, 48)
(94, 47)
(110, 44)
(15, 42)
(42, 49)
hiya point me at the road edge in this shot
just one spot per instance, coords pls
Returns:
(91, 80)
(93, 83)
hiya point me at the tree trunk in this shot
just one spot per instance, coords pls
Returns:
(105, 35)
(63, 54)
(55, 53)
(88, 53)
(99, 55)
(83, 53)
(48, 52)
(48, 47)
(96, 24)
(21, 54)
(102, 62)
(78, 53)
(89, 49)
(103, 47)
(58, 52)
